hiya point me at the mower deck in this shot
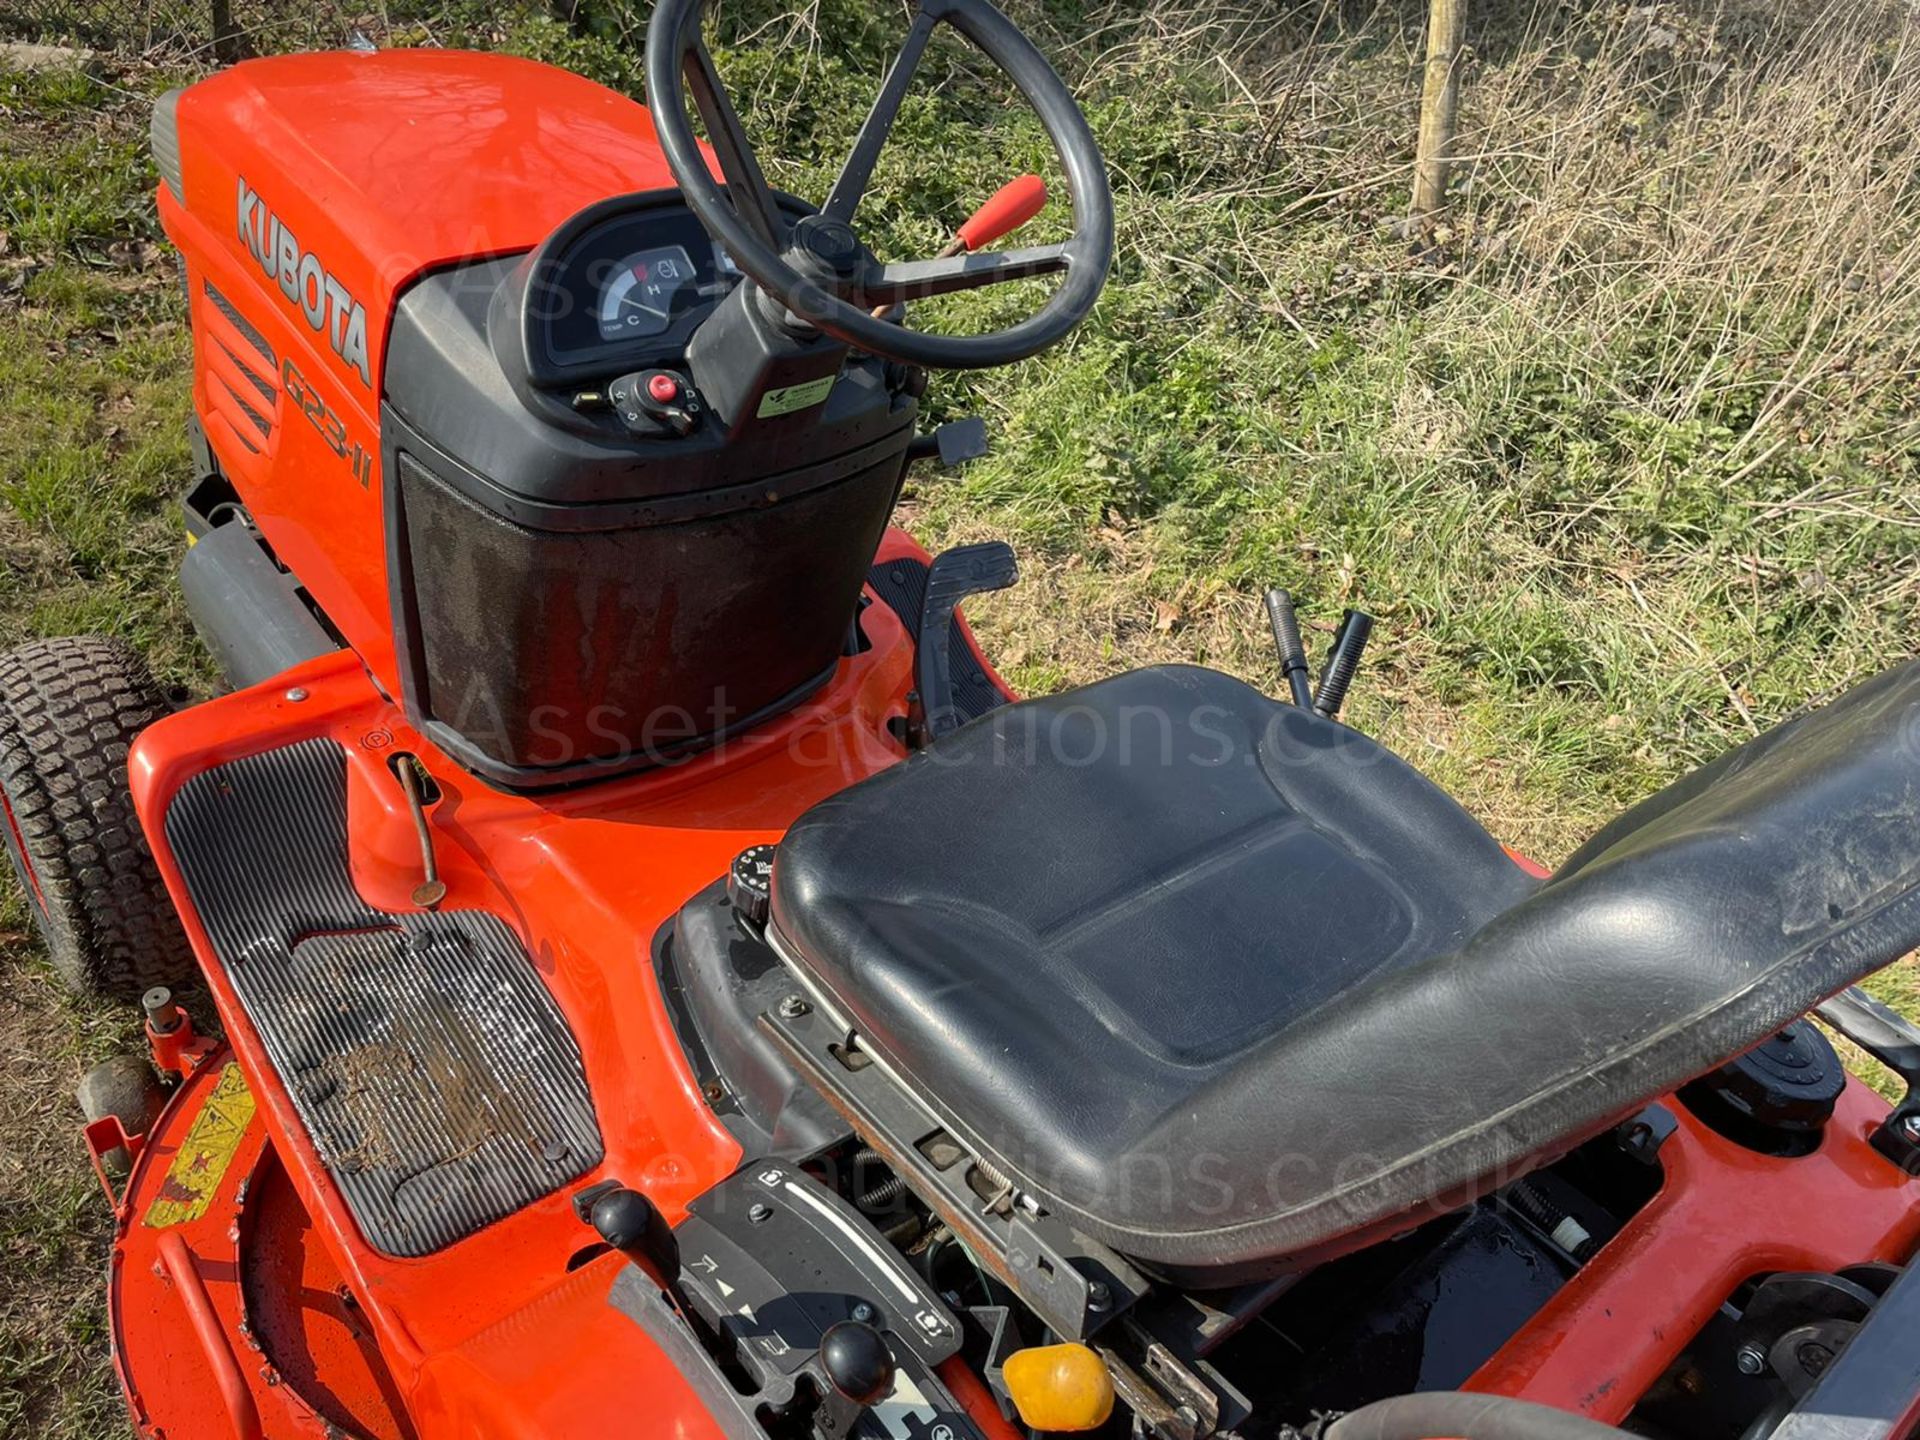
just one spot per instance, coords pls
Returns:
(236, 1296)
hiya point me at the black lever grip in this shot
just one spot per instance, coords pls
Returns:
(1342, 661)
(857, 1362)
(632, 1224)
(1286, 641)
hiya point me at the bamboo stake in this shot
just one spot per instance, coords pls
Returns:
(1439, 109)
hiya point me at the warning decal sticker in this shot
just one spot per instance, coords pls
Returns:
(201, 1164)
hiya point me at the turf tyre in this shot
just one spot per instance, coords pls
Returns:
(69, 710)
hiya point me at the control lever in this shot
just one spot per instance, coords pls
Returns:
(1342, 661)
(632, 1224)
(859, 1372)
(953, 443)
(960, 572)
(1286, 640)
(1010, 207)
(414, 780)
(1006, 210)
(1894, 1041)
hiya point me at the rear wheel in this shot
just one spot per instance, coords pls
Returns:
(69, 710)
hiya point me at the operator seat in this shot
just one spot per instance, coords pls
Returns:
(1226, 984)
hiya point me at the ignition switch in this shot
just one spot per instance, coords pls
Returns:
(656, 402)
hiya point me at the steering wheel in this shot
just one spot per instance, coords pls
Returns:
(816, 267)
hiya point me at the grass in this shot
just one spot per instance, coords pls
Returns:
(93, 351)
(1623, 455)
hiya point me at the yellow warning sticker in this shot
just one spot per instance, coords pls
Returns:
(204, 1156)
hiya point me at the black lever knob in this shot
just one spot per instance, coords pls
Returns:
(857, 1362)
(1286, 644)
(633, 1225)
(1342, 661)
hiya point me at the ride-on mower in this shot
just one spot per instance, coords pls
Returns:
(667, 985)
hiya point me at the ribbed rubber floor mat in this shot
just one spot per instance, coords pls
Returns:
(435, 1074)
(903, 585)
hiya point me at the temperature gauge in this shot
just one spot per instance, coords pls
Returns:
(645, 292)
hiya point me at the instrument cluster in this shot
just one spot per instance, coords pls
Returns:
(622, 286)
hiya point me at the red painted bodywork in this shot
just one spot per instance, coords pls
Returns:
(492, 1336)
(221, 1322)
(1723, 1215)
(587, 878)
(386, 166)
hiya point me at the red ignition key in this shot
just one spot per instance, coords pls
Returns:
(663, 388)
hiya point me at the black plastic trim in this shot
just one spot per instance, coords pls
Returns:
(525, 342)
(247, 609)
(902, 586)
(245, 326)
(417, 695)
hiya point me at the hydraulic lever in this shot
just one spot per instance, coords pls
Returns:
(1342, 661)
(1286, 640)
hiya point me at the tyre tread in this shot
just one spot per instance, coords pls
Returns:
(70, 710)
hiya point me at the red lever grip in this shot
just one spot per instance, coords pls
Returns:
(1012, 205)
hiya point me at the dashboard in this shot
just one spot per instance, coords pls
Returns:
(621, 287)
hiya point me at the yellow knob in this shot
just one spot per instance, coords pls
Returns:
(1060, 1387)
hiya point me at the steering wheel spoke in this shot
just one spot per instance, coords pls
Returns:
(919, 279)
(744, 217)
(746, 184)
(851, 184)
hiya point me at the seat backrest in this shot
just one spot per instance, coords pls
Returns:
(1682, 934)
(1833, 788)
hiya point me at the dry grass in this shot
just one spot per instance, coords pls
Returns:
(54, 1225)
(1626, 456)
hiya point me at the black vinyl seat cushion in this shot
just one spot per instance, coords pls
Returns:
(1226, 984)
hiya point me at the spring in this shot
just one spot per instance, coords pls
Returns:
(883, 1195)
(1526, 1198)
(992, 1176)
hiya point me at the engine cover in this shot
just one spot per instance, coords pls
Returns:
(305, 194)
